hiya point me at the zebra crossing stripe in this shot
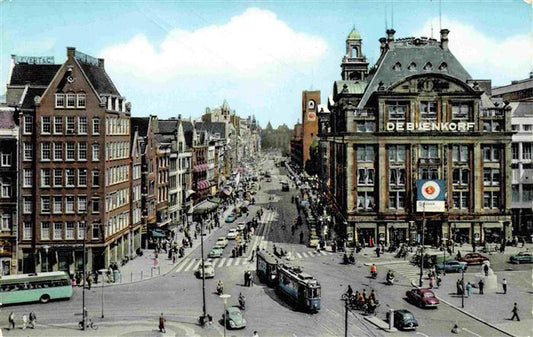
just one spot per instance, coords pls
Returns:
(182, 265)
(323, 252)
(222, 261)
(230, 261)
(299, 255)
(304, 255)
(194, 266)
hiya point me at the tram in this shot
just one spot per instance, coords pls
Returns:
(298, 287)
(267, 267)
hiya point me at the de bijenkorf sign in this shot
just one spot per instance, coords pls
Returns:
(430, 195)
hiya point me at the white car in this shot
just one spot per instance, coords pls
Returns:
(222, 242)
(240, 227)
(209, 269)
(232, 234)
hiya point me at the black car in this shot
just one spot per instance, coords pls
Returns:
(404, 320)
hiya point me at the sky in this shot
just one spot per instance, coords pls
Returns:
(171, 58)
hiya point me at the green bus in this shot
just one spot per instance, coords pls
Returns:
(34, 287)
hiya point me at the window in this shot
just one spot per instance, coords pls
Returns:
(60, 100)
(365, 177)
(27, 204)
(46, 179)
(429, 173)
(460, 153)
(515, 193)
(27, 151)
(429, 153)
(82, 204)
(46, 153)
(397, 153)
(28, 125)
(461, 176)
(81, 100)
(69, 204)
(491, 199)
(397, 177)
(28, 178)
(46, 126)
(82, 151)
(96, 152)
(58, 227)
(428, 111)
(492, 125)
(69, 177)
(397, 199)
(396, 111)
(460, 111)
(71, 100)
(81, 230)
(527, 192)
(58, 151)
(82, 125)
(70, 156)
(528, 127)
(82, 177)
(460, 199)
(58, 201)
(365, 201)
(5, 222)
(491, 177)
(491, 153)
(69, 232)
(45, 231)
(526, 151)
(6, 160)
(96, 126)
(45, 204)
(95, 231)
(366, 126)
(58, 125)
(95, 204)
(95, 178)
(5, 191)
(27, 232)
(515, 127)
(71, 126)
(365, 153)
(514, 151)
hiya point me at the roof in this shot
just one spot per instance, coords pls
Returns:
(99, 79)
(168, 126)
(141, 124)
(409, 56)
(7, 120)
(188, 130)
(212, 128)
(29, 98)
(521, 109)
(352, 87)
(514, 86)
(354, 35)
(35, 74)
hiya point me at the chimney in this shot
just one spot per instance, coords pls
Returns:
(382, 44)
(390, 35)
(71, 51)
(444, 39)
(101, 63)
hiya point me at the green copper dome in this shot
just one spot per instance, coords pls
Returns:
(354, 35)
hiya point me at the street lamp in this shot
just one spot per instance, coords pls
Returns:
(84, 310)
(225, 298)
(462, 287)
(102, 272)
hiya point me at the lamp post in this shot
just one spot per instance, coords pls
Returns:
(84, 311)
(102, 272)
(225, 298)
(422, 247)
(462, 287)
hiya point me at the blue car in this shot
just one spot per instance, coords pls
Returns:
(230, 218)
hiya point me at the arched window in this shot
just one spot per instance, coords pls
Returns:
(355, 52)
(443, 66)
(428, 66)
(397, 66)
(412, 66)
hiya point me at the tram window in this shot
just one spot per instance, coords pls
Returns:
(313, 293)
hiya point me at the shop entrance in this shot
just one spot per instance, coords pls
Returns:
(397, 236)
(461, 235)
(493, 235)
(367, 236)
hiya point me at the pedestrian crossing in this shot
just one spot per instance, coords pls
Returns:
(191, 264)
(407, 270)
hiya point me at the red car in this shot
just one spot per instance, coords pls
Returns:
(473, 258)
(422, 297)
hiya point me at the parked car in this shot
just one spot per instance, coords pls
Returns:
(234, 319)
(222, 242)
(404, 319)
(209, 269)
(216, 251)
(230, 218)
(473, 258)
(522, 257)
(232, 234)
(422, 297)
(452, 266)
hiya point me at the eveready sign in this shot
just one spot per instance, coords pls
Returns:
(428, 126)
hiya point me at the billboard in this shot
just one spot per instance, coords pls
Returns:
(430, 195)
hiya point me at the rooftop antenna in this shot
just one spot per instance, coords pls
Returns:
(440, 15)
(386, 23)
(392, 15)
(431, 22)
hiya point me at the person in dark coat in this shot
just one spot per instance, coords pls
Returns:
(481, 285)
(515, 312)
(162, 321)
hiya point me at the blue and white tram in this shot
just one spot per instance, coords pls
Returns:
(267, 267)
(299, 287)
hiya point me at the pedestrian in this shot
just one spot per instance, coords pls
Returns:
(95, 277)
(515, 312)
(11, 320)
(459, 286)
(173, 258)
(253, 255)
(486, 269)
(431, 282)
(504, 285)
(24, 322)
(33, 319)
(255, 334)
(246, 278)
(481, 285)
(468, 289)
(89, 280)
(162, 321)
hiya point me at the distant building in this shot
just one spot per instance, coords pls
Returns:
(297, 145)
(517, 91)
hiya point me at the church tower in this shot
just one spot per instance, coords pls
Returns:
(354, 65)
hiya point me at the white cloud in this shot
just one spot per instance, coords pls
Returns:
(485, 56)
(251, 45)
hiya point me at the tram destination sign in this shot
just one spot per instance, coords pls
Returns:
(431, 126)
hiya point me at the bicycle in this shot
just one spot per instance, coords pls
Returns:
(88, 324)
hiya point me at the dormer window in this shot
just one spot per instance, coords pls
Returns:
(397, 66)
(412, 66)
(443, 66)
(428, 66)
